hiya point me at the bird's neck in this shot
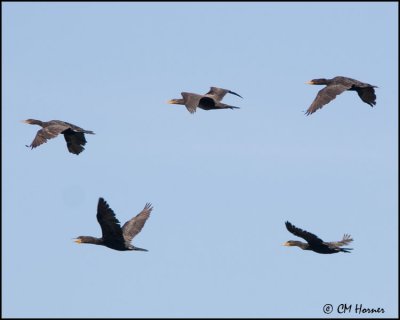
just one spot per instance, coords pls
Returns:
(92, 240)
(302, 245)
(38, 122)
(179, 101)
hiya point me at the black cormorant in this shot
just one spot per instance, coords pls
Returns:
(336, 86)
(73, 135)
(314, 243)
(209, 101)
(113, 236)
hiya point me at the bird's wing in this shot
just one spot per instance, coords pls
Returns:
(367, 94)
(132, 227)
(308, 236)
(46, 133)
(77, 129)
(191, 101)
(217, 93)
(345, 241)
(75, 141)
(110, 226)
(325, 96)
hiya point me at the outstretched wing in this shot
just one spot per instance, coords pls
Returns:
(345, 241)
(45, 134)
(325, 96)
(367, 95)
(132, 227)
(191, 100)
(75, 128)
(308, 236)
(75, 141)
(110, 226)
(218, 93)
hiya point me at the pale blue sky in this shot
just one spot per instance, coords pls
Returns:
(223, 182)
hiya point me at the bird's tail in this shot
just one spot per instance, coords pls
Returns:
(139, 249)
(232, 107)
(346, 250)
(88, 131)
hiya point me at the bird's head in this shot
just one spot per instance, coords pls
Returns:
(87, 239)
(29, 121)
(317, 81)
(78, 239)
(82, 239)
(291, 243)
(175, 101)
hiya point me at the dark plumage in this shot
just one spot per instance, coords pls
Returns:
(209, 101)
(113, 236)
(338, 85)
(74, 136)
(316, 244)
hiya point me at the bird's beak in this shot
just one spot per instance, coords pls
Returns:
(78, 240)
(286, 244)
(171, 101)
(309, 82)
(24, 121)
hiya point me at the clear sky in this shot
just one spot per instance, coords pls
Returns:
(222, 182)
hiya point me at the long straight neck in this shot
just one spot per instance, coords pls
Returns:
(302, 245)
(92, 240)
(34, 121)
(179, 101)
